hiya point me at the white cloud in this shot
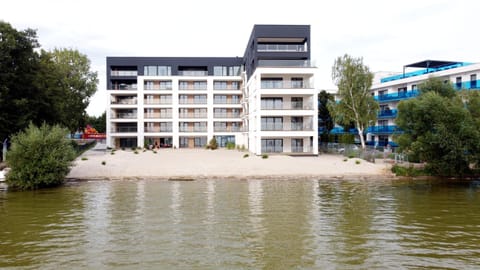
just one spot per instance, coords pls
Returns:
(387, 34)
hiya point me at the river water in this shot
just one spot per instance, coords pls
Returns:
(222, 224)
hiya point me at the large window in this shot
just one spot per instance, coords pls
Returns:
(297, 145)
(220, 71)
(272, 123)
(234, 71)
(219, 85)
(272, 103)
(473, 81)
(219, 99)
(157, 70)
(297, 123)
(223, 140)
(272, 145)
(272, 83)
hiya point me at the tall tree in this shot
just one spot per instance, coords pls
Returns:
(98, 122)
(356, 104)
(324, 117)
(18, 71)
(440, 129)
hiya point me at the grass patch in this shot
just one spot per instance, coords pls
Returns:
(84, 158)
(246, 155)
(408, 171)
(357, 162)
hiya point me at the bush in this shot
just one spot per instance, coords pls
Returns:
(135, 152)
(154, 151)
(245, 156)
(212, 144)
(357, 162)
(230, 145)
(345, 159)
(408, 171)
(39, 157)
(84, 158)
(112, 153)
(264, 156)
(104, 162)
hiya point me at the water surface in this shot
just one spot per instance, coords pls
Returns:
(218, 224)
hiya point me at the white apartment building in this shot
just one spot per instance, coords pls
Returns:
(265, 101)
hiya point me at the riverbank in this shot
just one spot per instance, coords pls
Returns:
(188, 164)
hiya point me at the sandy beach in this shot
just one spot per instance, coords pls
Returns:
(221, 163)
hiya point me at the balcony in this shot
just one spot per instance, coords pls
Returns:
(285, 63)
(158, 115)
(286, 127)
(200, 86)
(228, 101)
(123, 86)
(281, 48)
(130, 115)
(302, 149)
(277, 84)
(227, 129)
(226, 115)
(288, 106)
(225, 87)
(124, 129)
(124, 101)
(397, 96)
(384, 129)
(157, 101)
(387, 114)
(193, 101)
(192, 73)
(192, 129)
(123, 73)
(469, 85)
(341, 130)
(158, 87)
(192, 115)
(158, 129)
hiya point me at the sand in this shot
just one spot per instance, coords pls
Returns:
(187, 164)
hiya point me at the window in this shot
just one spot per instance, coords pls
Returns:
(297, 82)
(200, 85)
(165, 99)
(150, 70)
(220, 71)
(219, 85)
(234, 71)
(272, 145)
(458, 82)
(149, 85)
(271, 104)
(183, 99)
(183, 85)
(272, 123)
(402, 91)
(271, 83)
(235, 100)
(297, 103)
(297, 145)
(200, 99)
(383, 92)
(383, 122)
(414, 87)
(157, 70)
(235, 86)
(297, 123)
(165, 85)
(220, 99)
(164, 70)
(473, 81)
(200, 141)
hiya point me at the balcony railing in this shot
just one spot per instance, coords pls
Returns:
(274, 84)
(288, 106)
(227, 129)
(281, 48)
(225, 87)
(158, 101)
(125, 101)
(397, 96)
(467, 85)
(193, 101)
(193, 129)
(124, 116)
(124, 129)
(284, 63)
(158, 115)
(158, 129)
(192, 73)
(286, 127)
(193, 87)
(123, 73)
(124, 87)
(302, 149)
(387, 113)
(223, 101)
(158, 87)
(226, 115)
(192, 115)
(384, 129)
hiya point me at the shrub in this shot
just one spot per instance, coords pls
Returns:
(345, 159)
(230, 145)
(104, 162)
(135, 152)
(212, 144)
(134, 148)
(154, 151)
(112, 153)
(123, 148)
(39, 157)
(264, 156)
(357, 162)
(408, 171)
(245, 156)
(84, 158)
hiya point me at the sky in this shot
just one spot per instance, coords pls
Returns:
(387, 34)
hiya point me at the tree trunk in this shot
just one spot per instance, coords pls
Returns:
(362, 140)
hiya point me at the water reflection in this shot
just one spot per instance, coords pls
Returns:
(243, 225)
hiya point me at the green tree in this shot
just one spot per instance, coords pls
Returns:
(356, 104)
(39, 157)
(324, 117)
(438, 86)
(18, 71)
(440, 130)
(99, 123)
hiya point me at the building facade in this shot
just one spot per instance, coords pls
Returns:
(392, 89)
(265, 101)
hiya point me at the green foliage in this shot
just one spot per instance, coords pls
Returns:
(346, 138)
(212, 144)
(40, 86)
(356, 104)
(264, 156)
(112, 153)
(84, 158)
(325, 120)
(246, 155)
(154, 151)
(357, 162)
(230, 145)
(408, 171)
(437, 85)
(345, 159)
(135, 152)
(441, 131)
(39, 157)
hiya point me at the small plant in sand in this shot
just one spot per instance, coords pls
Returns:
(245, 156)
(357, 162)
(84, 158)
(264, 156)
(104, 162)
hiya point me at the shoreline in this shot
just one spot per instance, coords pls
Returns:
(200, 164)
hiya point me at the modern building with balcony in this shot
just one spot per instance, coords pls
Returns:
(265, 100)
(392, 89)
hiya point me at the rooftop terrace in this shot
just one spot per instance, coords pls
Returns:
(429, 66)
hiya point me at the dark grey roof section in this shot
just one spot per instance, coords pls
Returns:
(431, 64)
